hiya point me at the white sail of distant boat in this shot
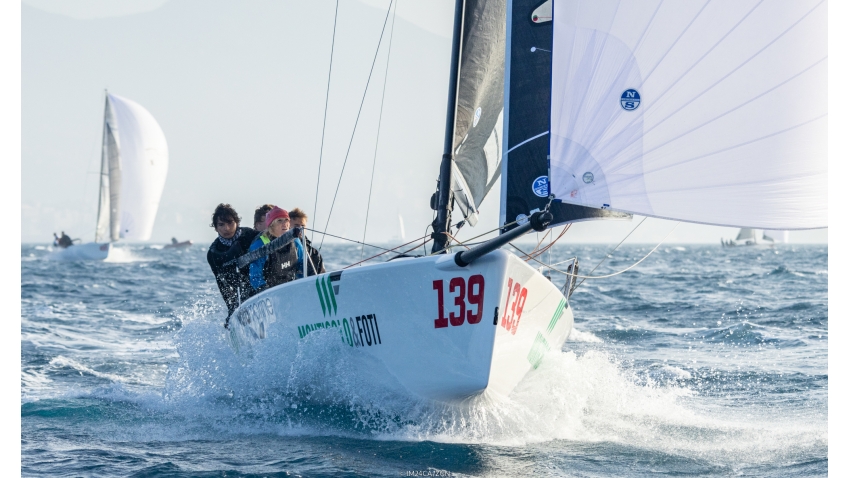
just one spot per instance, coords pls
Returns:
(748, 236)
(709, 112)
(134, 164)
(779, 236)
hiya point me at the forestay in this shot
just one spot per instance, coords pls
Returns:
(134, 165)
(709, 112)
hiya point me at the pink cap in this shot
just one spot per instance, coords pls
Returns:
(275, 213)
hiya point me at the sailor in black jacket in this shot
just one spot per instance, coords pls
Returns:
(232, 242)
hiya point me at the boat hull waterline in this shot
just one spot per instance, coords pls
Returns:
(442, 331)
(91, 251)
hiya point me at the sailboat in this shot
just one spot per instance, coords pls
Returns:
(704, 112)
(133, 167)
(750, 237)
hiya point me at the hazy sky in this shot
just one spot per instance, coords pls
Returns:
(239, 90)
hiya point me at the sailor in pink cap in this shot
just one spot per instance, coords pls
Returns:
(282, 225)
(280, 266)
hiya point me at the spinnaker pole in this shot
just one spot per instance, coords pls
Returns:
(444, 185)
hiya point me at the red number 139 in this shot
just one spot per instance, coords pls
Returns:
(471, 291)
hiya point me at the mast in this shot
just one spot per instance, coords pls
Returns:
(444, 185)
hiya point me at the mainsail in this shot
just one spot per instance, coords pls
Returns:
(134, 163)
(708, 112)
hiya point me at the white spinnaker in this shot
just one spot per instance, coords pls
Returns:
(144, 165)
(731, 124)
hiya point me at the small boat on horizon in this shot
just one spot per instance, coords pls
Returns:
(175, 244)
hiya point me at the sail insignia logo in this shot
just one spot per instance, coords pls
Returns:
(540, 186)
(630, 100)
(327, 287)
(477, 117)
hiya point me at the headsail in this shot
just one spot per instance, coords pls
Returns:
(134, 163)
(478, 116)
(709, 112)
(525, 171)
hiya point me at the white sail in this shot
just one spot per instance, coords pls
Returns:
(108, 155)
(137, 164)
(746, 234)
(778, 236)
(708, 112)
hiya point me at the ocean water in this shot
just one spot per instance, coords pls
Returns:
(700, 361)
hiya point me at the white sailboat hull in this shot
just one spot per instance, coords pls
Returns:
(512, 316)
(91, 251)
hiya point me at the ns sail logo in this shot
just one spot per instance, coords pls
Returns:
(630, 100)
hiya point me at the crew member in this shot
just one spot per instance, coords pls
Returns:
(232, 242)
(260, 216)
(316, 265)
(280, 266)
(64, 240)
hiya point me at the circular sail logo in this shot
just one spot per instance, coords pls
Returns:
(540, 186)
(587, 178)
(630, 100)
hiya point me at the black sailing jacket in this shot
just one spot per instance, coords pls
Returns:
(232, 282)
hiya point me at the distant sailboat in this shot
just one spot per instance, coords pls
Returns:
(134, 164)
(750, 237)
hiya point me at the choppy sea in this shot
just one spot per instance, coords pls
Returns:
(700, 361)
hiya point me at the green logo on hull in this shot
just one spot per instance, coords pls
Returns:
(538, 350)
(327, 294)
(557, 316)
(540, 345)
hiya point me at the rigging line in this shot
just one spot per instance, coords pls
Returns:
(325, 118)
(378, 135)
(455, 239)
(356, 121)
(473, 238)
(551, 243)
(350, 240)
(390, 250)
(583, 278)
(537, 247)
(607, 256)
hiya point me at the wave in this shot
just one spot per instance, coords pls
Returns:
(318, 387)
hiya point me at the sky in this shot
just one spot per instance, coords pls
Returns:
(239, 89)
